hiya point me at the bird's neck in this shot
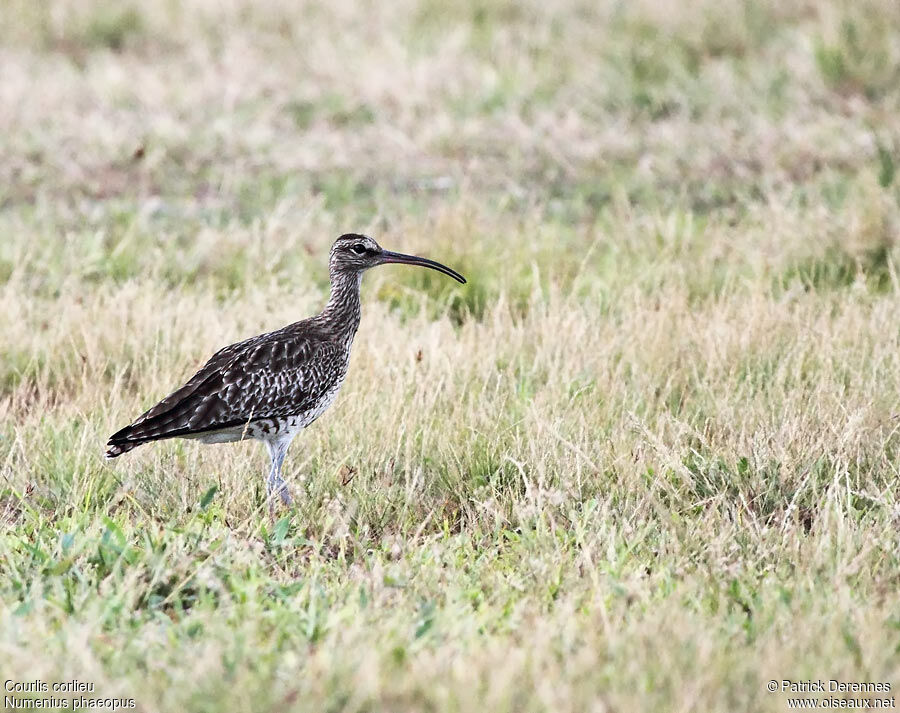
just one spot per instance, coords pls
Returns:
(342, 313)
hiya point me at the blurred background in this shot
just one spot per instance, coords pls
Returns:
(223, 142)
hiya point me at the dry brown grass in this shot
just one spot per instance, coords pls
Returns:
(646, 460)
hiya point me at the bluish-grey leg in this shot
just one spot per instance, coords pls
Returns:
(274, 483)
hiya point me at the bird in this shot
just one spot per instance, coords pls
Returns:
(272, 386)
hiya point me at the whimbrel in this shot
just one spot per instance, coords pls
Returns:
(272, 386)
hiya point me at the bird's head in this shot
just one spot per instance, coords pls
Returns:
(354, 254)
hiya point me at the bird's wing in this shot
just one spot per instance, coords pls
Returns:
(270, 376)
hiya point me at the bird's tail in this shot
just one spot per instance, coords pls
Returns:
(113, 450)
(122, 441)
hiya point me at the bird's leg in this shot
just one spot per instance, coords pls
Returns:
(270, 489)
(274, 483)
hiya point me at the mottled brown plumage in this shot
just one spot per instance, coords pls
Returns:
(271, 386)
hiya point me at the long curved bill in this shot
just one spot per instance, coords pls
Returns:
(388, 257)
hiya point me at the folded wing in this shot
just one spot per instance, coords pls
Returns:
(270, 376)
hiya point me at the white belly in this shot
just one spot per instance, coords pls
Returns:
(268, 429)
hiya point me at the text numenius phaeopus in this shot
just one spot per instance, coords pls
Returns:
(271, 386)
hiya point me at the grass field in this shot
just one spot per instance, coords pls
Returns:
(647, 459)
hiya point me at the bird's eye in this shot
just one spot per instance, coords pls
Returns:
(359, 248)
